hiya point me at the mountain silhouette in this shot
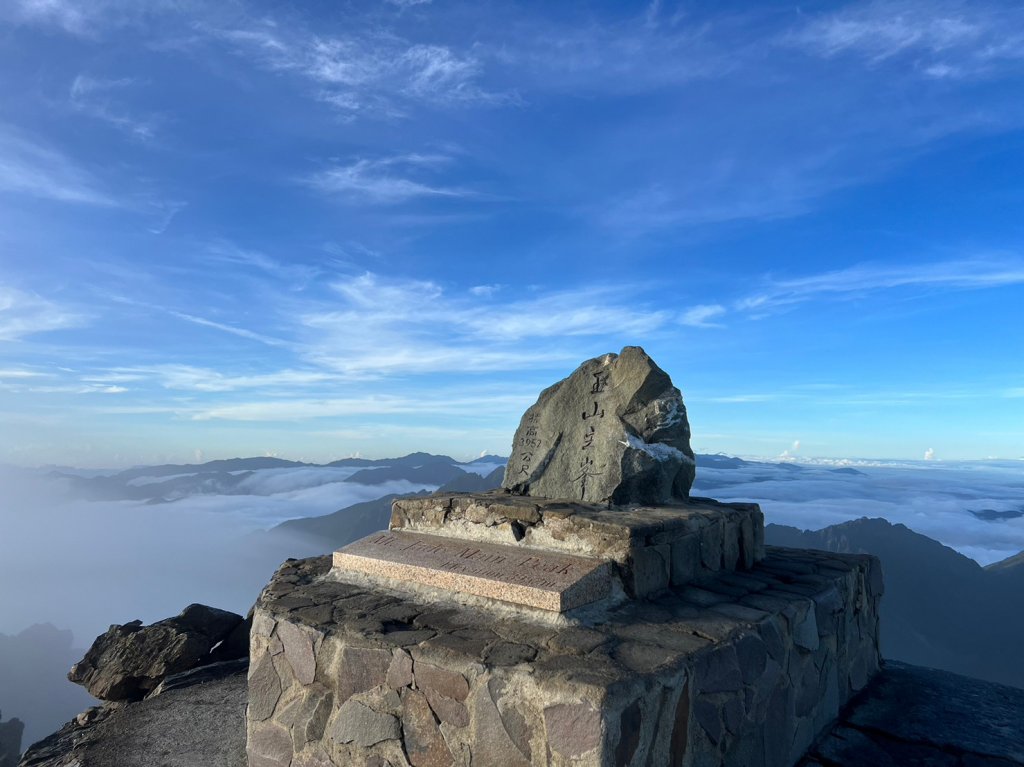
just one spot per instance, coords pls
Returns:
(940, 608)
(332, 531)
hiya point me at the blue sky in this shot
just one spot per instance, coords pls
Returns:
(327, 228)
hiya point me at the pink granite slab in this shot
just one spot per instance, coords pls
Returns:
(544, 579)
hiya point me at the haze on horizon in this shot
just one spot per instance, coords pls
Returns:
(244, 228)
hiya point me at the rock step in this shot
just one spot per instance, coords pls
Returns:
(652, 548)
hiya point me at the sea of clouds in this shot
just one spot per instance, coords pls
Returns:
(86, 564)
(934, 498)
(83, 565)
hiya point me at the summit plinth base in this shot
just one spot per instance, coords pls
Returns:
(644, 550)
(743, 669)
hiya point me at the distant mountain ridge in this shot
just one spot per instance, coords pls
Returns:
(412, 459)
(33, 681)
(169, 482)
(940, 608)
(332, 531)
(1008, 566)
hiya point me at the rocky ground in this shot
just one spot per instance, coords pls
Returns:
(917, 716)
(197, 718)
(907, 716)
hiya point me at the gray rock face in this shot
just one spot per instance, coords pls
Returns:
(128, 661)
(10, 742)
(615, 431)
(914, 715)
(200, 721)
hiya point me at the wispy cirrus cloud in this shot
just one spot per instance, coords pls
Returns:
(584, 311)
(204, 379)
(23, 314)
(946, 39)
(370, 71)
(701, 316)
(310, 405)
(190, 317)
(85, 18)
(71, 16)
(865, 278)
(386, 180)
(295, 275)
(636, 53)
(20, 374)
(333, 407)
(28, 167)
(368, 327)
(417, 326)
(93, 97)
(231, 329)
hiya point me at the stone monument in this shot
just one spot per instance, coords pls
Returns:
(590, 612)
(613, 432)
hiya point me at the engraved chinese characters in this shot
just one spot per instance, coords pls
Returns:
(527, 447)
(615, 431)
(588, 469)
(544, 579)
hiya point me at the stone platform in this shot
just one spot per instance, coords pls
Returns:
(744, 668)
(532, 578)
(649, 549)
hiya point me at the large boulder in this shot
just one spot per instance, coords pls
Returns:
(128, 661)
(615, 431)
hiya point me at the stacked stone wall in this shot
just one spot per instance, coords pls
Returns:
(743, 670)
(651, 549)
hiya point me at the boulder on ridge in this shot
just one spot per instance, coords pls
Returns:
(129, 660)
(615, 431)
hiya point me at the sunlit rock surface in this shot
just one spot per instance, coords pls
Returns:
(615, 431)
(197, 720)
(129, 660)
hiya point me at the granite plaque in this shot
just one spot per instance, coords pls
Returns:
(544, 579)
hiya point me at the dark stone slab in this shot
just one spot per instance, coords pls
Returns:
(359, 724)
(573, 729)
(424, 744)
(202, 675)
(911, 715)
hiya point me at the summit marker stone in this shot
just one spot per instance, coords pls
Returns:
(615, 431)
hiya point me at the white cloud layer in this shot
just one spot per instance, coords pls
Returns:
(967, 274)
(933, 498)
(93, 97)
(700, 316)
(416, 326)
(371, 71)
(942, 39)
(31, 168)
(195, 549)
(384, 180)
(23, 314)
